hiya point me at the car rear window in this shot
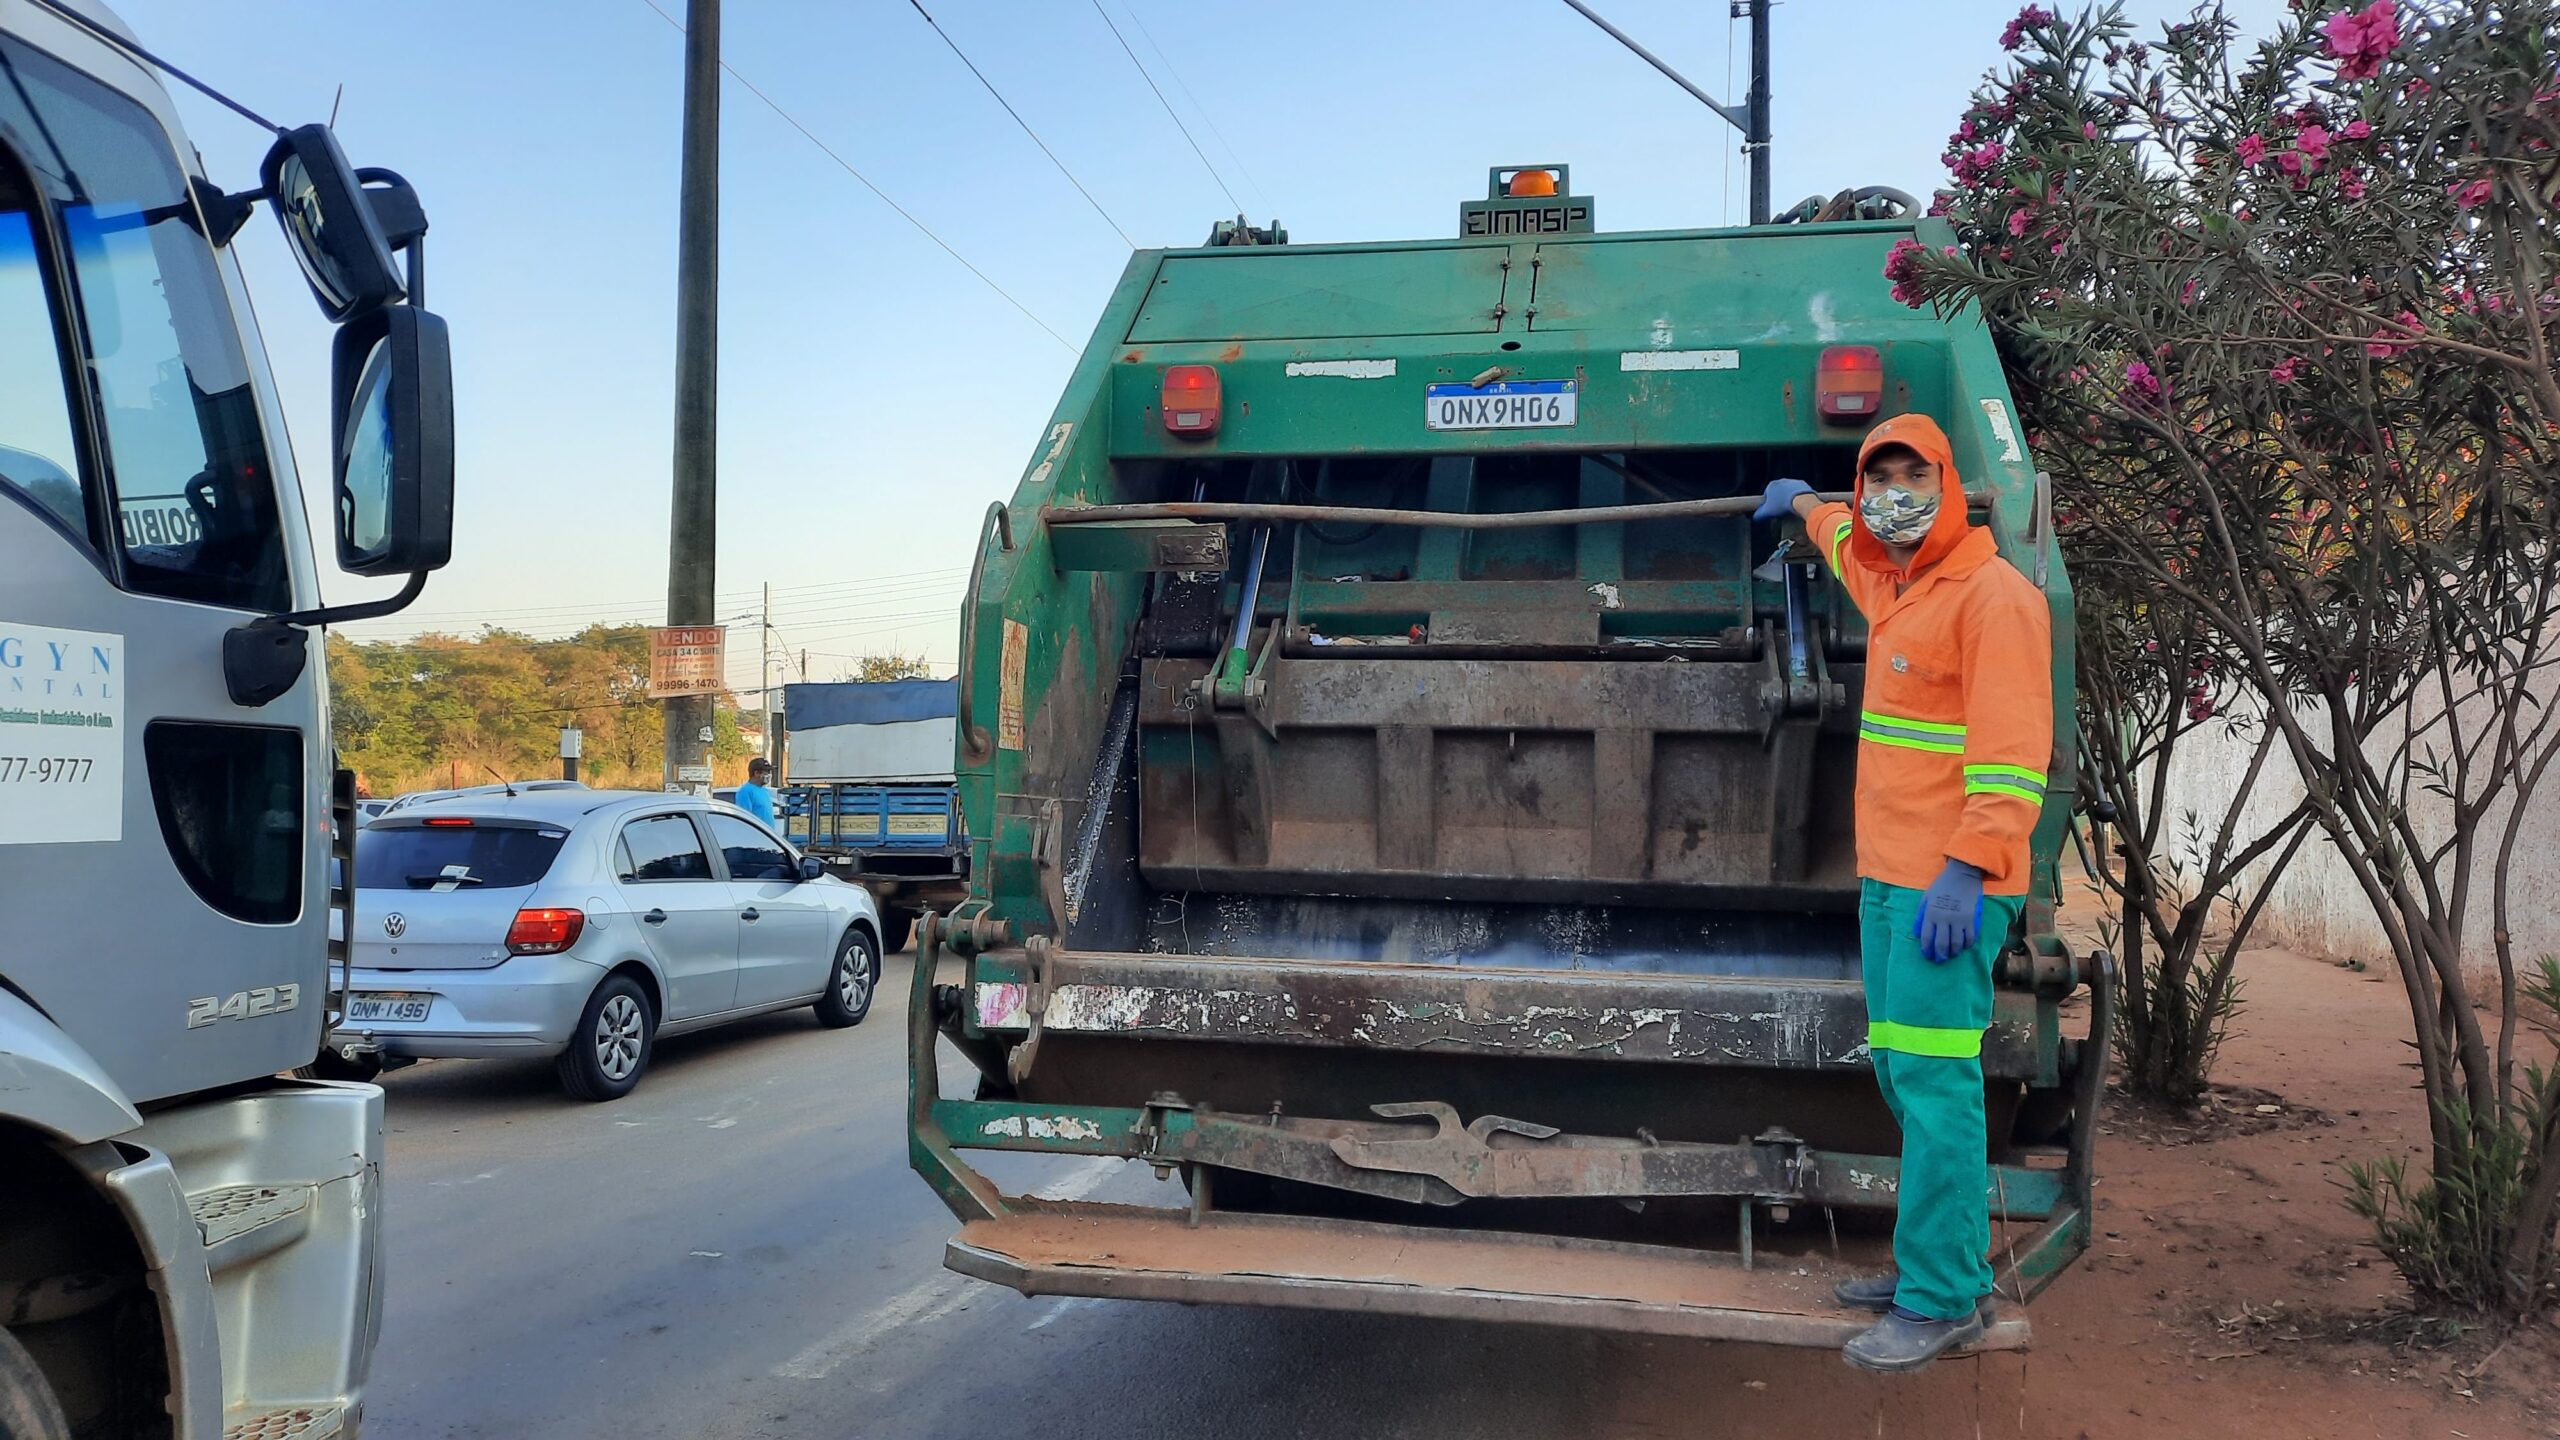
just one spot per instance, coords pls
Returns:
(422, 857)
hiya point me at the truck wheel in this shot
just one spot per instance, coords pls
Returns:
(895, 927)
(28, 1410)
(852, 982)
(611, 1045)
(330, 1065)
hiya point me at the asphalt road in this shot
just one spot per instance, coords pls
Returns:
(738, 1249)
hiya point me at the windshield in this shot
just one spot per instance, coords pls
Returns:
(101, 238)
(456, 857)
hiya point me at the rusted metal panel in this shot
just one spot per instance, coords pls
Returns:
(1118, 1252)
(1176, 546)
(1714, 1020)
(1491, 1157)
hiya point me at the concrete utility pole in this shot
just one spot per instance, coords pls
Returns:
(693, 520)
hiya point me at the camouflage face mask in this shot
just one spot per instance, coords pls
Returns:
(1898, 517)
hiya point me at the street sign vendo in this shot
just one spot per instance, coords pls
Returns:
(685, 660)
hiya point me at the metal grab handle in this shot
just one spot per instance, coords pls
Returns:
(654, 917)
(976, 745)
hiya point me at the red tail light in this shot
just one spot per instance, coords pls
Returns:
(1191, 396)
(545, 932)
(1848, 382)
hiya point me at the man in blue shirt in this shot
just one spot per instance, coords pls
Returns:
(756, 796)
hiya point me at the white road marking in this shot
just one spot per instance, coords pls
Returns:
(708, 1254)
(922, 1305)
(1077, 1302)
(935, 1298)
(1082, 1180)
(724, 1122)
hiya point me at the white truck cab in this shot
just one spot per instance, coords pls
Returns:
(189, 1238)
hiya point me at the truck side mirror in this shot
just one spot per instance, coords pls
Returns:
(329, 224)
(392, 381)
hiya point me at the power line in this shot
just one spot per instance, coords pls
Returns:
(847, 166)
(1168, 105)
(1206, 118)
(1025, 124)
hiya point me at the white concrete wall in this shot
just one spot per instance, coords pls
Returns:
(2318, 906)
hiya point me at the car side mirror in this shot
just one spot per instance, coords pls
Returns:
(392, 374)
(811, 867)
(329, 224)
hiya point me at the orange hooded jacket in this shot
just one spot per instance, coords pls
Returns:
(1956, 727)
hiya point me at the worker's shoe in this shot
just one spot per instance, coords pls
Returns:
(1904, 1341)
(1868, 1292)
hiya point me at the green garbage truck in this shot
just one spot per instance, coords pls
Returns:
(1410, 798)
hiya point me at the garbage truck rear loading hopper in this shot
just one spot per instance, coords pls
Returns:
(1406, 805)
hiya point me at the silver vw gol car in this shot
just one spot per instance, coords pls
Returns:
(584, 924)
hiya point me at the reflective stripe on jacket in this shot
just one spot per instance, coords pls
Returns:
(1956, 728)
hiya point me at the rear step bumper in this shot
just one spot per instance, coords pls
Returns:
(1120, 1252)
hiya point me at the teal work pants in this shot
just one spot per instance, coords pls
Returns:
(1924, 1030)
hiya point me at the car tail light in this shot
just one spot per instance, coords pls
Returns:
(1191, 400)
(1848, 382)
(449, 822)
(544, 931)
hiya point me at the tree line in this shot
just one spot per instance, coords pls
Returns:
(440, 710)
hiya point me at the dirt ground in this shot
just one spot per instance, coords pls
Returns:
(2229, 1292)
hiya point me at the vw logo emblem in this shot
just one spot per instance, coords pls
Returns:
(395, 924)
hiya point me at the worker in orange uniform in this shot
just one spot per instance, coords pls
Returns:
(1955, 731)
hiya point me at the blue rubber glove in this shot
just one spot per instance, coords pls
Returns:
(1950, 913)
(1779, 500)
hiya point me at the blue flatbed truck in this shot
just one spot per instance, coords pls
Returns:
(869, 789)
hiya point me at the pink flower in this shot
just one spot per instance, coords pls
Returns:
(2356, 130)
(2470, 194)
(2392, 341)
(2351, 184)
(2250, 150)
(2359, 39)
(2028, 19)
(2143, 390)
(1902, 267)
(2313, 142)
(1977, 163)
(2021, 220)
(2088, 129)
(2285, 370)
(2187, 293)
(2290, 162)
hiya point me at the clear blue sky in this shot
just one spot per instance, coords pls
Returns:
(874, 396)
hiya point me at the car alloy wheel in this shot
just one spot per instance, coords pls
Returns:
(853, 982)
(620, 1029)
